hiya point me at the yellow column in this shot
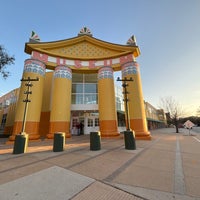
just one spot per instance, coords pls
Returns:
(61, 102)
(33, 68)
(106, 101)
(138, 122)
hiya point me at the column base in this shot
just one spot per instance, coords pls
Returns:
(108, 128)
(143, 135)
(110, 134)
(59, 126)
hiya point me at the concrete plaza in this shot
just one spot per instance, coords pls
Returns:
(165, 168)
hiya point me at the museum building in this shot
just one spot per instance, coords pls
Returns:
(74, 83)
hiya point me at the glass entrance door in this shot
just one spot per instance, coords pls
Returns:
(91, 124)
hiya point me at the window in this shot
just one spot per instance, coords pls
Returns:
(77, 98)
(90, 99)
(90, 88)
(84, 89)
(77, 88)
(96, 122)
(90, 122)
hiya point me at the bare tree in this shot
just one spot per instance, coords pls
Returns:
(5, 60)
(173, 110)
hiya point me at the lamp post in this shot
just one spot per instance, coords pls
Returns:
(21, 140)
(124, 85)
(27, 100)
(129, 135)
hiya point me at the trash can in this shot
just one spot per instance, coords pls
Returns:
(59, 142)
(95, 141)
(20, 144)
(129, 139)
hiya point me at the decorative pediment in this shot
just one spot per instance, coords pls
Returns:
(83, 47)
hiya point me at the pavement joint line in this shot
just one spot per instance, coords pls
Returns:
(179, 184)
(196, 139)
(125, 165)
(54, 156)
(82, 190)
(39, 160)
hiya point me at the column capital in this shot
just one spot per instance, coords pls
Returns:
(34, 66)
(105, 72)
(63, 71)
(130, 68)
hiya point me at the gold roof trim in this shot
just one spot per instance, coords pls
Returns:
(82, 48)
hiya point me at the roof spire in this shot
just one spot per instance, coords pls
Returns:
(85, 31)
(34, 37)
(132, 41)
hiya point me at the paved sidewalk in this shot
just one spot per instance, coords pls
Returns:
(165, 168)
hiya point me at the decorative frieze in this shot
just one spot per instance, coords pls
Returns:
(130, 68)
(83, 64)
(63, 72)
(105, 72)
(34, 66)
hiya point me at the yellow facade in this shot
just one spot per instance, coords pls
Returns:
(50, 107)
(33, 69)
(107, 108)
(61, 103)
(138, 121)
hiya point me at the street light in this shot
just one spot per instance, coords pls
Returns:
(27, 100)
(21, 140)
(125, 85)
(129, 135)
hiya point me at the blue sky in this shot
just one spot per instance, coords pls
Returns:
(167, 32)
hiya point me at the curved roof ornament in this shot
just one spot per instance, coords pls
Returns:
(132, 41)
(34, 38)
(85, 31)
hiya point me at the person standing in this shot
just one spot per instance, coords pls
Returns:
(81, 128)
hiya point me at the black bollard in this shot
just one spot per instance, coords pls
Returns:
(21, 143)
(95, 141)
(129, 139)
(59, 142)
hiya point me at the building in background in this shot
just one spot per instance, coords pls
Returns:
(7, 111)
(156, 118)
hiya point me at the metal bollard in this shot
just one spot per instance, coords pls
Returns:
(59, 142)
(21, 143)
(129, 139)
(95, 141)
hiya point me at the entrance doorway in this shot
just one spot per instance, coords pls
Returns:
(90, 124)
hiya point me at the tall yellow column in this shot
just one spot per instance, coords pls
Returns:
(106, 101)
(61, 102)
(138, 122)
(33, 68)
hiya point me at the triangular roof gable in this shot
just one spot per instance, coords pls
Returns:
(82, 48)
